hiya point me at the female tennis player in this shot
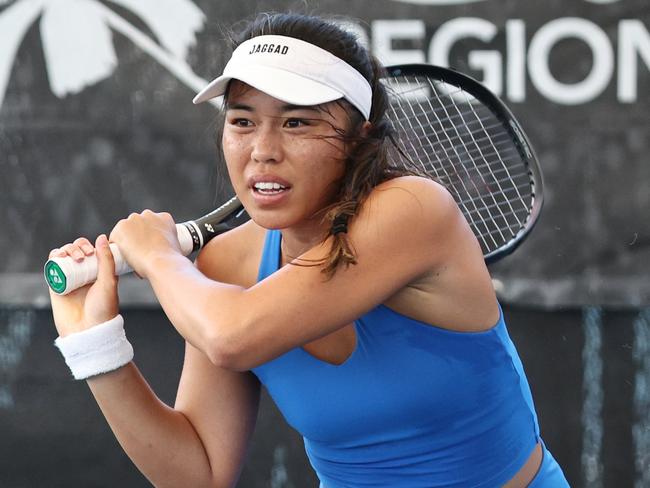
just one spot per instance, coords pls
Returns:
(356, 294)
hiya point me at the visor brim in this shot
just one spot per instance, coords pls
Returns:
(281, 84)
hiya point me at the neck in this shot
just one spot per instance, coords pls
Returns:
(297, 241)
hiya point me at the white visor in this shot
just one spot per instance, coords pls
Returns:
(293, 71)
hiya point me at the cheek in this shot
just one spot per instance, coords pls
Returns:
(325, 155)
(230, 145)
(326, 173)
(330, 162)
(235, 157)
(234, 152)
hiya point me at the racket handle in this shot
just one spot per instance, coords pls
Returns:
(64, 274)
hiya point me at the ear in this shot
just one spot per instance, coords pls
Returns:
(365, 128)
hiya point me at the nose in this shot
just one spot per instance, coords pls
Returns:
(267, 145)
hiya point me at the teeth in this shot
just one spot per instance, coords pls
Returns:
(263, 185)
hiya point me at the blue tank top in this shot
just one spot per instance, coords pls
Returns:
(414, 405)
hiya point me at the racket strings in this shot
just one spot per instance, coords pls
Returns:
(485, 215)
(506, 168)
(480, 223)
(506, 222)
(456, 119)
(473, 140)
(486, 164)
(498, 138)
(451, 141)
(458, 141)
(506, 193)
(494, 137)
(423, 154)
(500, 175)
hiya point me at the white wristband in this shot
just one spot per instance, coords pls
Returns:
(97, 350)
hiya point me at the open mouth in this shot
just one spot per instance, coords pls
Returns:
(269, 188)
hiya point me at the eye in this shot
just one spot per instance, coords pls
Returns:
(295, 123)
(241, 122)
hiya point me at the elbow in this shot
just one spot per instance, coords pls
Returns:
(234, 341)
(224, 356)
(228, 351)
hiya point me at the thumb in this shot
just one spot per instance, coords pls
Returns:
(105, 261)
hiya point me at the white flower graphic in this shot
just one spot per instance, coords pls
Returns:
(77, 39)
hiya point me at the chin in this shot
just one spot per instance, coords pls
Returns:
(270, 222)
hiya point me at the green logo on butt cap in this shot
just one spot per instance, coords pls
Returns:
(55, 277)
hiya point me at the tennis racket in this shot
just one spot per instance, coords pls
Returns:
(453, 128)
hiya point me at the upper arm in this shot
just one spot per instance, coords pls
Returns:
(221, 404)
(222, 407)
(405, 229)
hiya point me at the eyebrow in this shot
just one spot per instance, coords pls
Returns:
(285, 108)
(290, 107)
(239, 106)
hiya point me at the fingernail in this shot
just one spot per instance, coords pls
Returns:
(101, 240)
(87, 248)
(77, 254)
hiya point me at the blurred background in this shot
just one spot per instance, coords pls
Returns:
(96, 121)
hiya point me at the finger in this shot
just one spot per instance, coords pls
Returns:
(112, 236)
(56, 253)
(59, 252)
(85, 245)
(166, 215)
(74, 251)
(105, 261)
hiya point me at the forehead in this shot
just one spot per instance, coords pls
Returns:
(241, 94)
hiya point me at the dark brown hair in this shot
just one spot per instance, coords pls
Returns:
(368, 162)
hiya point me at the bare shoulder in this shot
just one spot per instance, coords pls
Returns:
(455, 290)
(420, 204)
(422, 191)
(233, 257)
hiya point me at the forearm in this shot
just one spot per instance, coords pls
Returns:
(160, 441)
(205, 312)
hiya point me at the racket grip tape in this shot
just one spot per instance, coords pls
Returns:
(64, 274)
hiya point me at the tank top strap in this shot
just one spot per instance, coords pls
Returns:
(270, 261)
